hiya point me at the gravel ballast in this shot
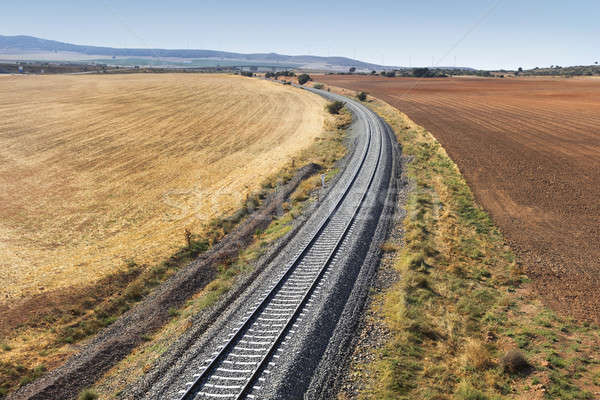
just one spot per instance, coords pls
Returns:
(312, 360)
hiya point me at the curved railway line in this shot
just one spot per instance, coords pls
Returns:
(241, 363)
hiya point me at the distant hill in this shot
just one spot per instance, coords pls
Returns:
(32, 47)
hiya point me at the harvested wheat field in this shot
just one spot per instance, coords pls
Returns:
(97, 170)
(530, 150)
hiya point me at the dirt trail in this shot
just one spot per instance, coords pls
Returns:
(530, 150)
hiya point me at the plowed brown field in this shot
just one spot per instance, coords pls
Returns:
(530, 150)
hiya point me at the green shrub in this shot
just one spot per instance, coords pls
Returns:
(466, 391)
(303, 78)
(362, 96)
(88, 394)
(335, 107)
(515, 362)
(318, 86)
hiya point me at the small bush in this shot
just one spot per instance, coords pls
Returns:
(303, 78)
(318, 86)
(477, 355)
(88, 394)
(335, 107)
(362, 96)
(515, 362)
(389, 247)
(135, 291)
(466, 391)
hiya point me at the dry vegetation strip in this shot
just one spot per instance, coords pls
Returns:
(463, 303)
(530, 151)
(189, 136)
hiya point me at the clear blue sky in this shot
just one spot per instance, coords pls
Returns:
(483, 33)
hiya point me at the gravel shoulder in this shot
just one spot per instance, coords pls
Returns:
(371, 333)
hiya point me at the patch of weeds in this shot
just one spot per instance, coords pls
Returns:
(560, 387)
(88, 394)
(555, 360)
(389, 247)
(32, 375)
(466, 391)
(522, 339)
(147, 338)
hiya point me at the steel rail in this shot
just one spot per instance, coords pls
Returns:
(250, 383)
(192, 391)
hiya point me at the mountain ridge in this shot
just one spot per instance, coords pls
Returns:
(24, 44)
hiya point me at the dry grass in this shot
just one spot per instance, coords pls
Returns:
(287, 129)
(96, 170)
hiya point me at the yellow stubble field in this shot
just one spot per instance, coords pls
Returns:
(96, 170)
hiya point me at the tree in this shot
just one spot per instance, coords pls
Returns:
(362, 96)
(422, 72)
(375, 72)
(303, 78)
(352, 69)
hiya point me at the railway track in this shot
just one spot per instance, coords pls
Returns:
(241, 363)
